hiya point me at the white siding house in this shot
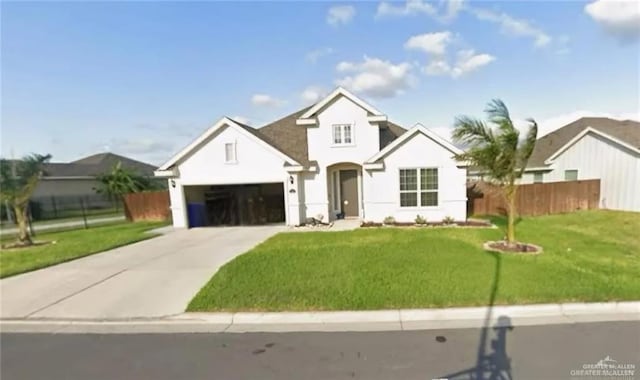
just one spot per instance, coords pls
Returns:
(592, 148)
(339, 158)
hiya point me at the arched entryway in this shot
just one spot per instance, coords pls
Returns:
(344, 181)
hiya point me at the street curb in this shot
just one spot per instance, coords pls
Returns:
(378, 320)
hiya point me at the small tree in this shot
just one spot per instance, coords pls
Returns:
(498, 152)
(18, 180)
(120, 181)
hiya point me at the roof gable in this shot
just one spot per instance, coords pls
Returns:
(408, 135)
(225, 122)
(308, 117)
(626, 131)
(578, 137)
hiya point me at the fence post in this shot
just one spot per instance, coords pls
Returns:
(84, 213)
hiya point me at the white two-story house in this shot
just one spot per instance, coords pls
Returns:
(339, 158)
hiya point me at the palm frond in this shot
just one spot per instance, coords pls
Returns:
(527, 146)
(497, 111)
(469, 131)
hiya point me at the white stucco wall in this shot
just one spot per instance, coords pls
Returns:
(255, 164)
(382, 187)
(366, 143)
(178, 206)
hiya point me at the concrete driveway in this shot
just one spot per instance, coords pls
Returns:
(152, 278)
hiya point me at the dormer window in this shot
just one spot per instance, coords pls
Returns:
(342, 134)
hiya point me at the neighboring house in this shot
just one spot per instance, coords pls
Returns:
(79, 177)
(340, 157)
(592, 148)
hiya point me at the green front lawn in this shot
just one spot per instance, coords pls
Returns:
(588, 256)
(72, 245)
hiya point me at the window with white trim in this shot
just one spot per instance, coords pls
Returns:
(230, 152)
(419, 187)
(342, 134)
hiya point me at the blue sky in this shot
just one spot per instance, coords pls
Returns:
(144, 78)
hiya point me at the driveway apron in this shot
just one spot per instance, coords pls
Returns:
(149, 279)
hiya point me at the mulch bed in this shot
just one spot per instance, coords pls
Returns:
(517, 248)
(469, 223)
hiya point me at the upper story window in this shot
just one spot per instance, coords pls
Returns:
(538, 177)
(230, 153)
(342, 134)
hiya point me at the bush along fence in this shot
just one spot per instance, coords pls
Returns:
(152, 205)
(535, 199)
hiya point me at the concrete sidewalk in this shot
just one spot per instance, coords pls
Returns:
(383, 320)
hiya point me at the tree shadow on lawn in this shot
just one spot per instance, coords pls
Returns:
(495, 364)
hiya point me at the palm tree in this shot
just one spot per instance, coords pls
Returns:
(499, 152)
(18, 180)
(118, 182)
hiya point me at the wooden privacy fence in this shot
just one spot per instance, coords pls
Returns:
(535, 199)
(153, 205)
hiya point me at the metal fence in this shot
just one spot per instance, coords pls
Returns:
(48, 213)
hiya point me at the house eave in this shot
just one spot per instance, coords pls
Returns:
(173, 172)
(310, 121)
(377, 118)
(373, 166)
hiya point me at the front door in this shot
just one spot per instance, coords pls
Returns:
(349, 192)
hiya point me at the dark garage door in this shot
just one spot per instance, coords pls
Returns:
(233, 205)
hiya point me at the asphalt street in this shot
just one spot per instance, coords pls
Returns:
(532, 352)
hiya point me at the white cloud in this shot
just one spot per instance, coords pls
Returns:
(512, 26)
(438, 67)
(266, 100)
(436, 46)
(620, 18)
(375, 77)
(411, 7)
(340, 14)
(312, 94)
(453, 8)
(444, 11)
(432, 43)
(468, 61)
(314, 55)
(548, 125)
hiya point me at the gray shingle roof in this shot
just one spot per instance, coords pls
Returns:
(624, 130)
(291, 139)
(95, 165)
